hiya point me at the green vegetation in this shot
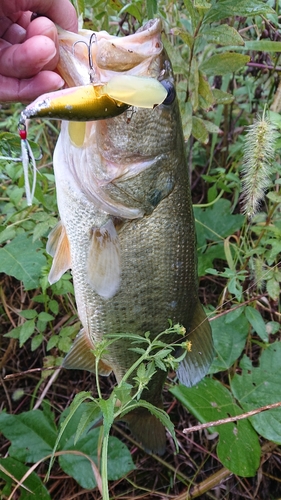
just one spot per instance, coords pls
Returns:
(226, 58)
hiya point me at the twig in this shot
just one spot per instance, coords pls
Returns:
(48, 385)
(263, 66)
(231, 419)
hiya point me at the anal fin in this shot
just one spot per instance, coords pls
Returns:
(197, 361)
(58, 247)
(81, 357)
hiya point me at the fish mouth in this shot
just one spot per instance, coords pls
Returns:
(95, 57)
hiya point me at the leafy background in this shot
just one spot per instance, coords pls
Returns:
(226, 58)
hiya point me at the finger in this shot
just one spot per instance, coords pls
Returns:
(61, 12)
(14, 34)
(28, 58)
(45, 27)
(27, 90)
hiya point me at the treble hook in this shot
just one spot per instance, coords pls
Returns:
(93, 39)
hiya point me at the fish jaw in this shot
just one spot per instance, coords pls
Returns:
(109, 55)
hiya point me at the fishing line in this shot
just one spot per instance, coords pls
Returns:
(27, 158)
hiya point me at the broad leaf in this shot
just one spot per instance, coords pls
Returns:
(256, 320)
(223, 35)
(222, 97)
(263, 46)
(205, 260)
(33, 482)
(222, 64)
(199, 130)
(216, 222)
(259, 387)
(227, 8)
(31, 433)
(118, 465)
(24, 260)
(229, 340)
(238, 448)
(119, 458)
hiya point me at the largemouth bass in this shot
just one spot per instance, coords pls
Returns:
(127, 228)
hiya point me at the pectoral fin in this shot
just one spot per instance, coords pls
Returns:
(81, 357)
(197, 361)
(58, 247)
(103, 267)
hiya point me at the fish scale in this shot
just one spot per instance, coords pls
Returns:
(127, 233)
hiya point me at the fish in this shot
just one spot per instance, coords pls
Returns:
(126, 226)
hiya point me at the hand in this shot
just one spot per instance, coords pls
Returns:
(29, 50)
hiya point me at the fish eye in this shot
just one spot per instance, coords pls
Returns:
(171, 92)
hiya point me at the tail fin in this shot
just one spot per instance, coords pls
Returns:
(147, 429)
(197, 362)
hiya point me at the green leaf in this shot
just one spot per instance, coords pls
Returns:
(227, 8)
(206, 97)
(211, 127)
(40, 230)
(151, 8)
(272, 327)
(28, 314)
(192, 13)
(31, 433)
(132, 9)
(263, 46)
(193, 84)
(27, 329)
(222, 97)
(43, 316)
(259, 387)
(199, 130)
(119, 458)
(216, 222)
(157, 412)
(33, 482)
(119, 461)
(222, 64)
(52, 342)
(36, 341)
(229, 341)
(70, 418)
(186, 37)
(186, 117)
(205, 260)
(238, 448)
(273, 289)
(91, 413)
(223, 35)
(256, 320)
(24, 260)
(123, 392)
(64, 344)
(53, 306)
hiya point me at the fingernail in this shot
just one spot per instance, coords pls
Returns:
(60, 84)
(49, 57)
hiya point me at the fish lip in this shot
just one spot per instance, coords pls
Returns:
(153, 26)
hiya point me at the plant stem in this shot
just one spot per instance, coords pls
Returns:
(105, 491)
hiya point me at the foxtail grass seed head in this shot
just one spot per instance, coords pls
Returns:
(257, 163)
